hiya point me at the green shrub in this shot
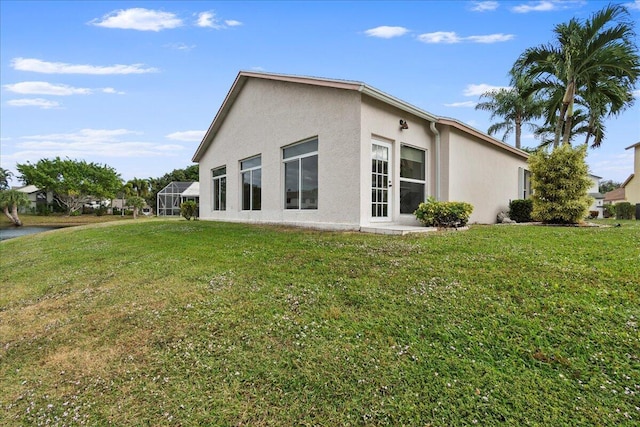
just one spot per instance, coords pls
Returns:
(624, 210)
(560, 180)
(443, 214)
(189, 209)
(609, 210)
(520, 210)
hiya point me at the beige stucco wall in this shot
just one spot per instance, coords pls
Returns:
(481, 174)
(268, 115)
(632, 189)
(381, 122)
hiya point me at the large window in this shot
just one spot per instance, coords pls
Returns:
(412, 179)
(251, 173)
(301, 175)
(524, 183)
(219, 188)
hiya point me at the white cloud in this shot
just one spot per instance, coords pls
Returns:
(139, 19)
(111, 90)
(539, 6)
(636, 93)
(450, 37)
(188, 135)
(207, 20)
(490, 38)
(440, 37)
(483, 6)
(477, 90)
(91, 143)
(39, 66)
(44, 88)
(635, 5)
(386, 32)
(461, 104)
(180, 46)
(33, 102)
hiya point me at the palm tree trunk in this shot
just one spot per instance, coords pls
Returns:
(567, 129)
(559, 123)
(14, 214)
(14, 220)
(569, 97)
(518, 131)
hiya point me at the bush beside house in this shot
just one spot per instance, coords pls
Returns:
(443, 214)
(520, 210)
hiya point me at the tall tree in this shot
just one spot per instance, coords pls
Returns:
(10, 201)
(594, 63)
(138, 187)
(73, 182)
(517, 106)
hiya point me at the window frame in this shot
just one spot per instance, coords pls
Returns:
(251, 171)
(217, 204)
(298, 160)
(423, 181)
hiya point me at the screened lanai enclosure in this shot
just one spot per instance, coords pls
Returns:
(173, 195)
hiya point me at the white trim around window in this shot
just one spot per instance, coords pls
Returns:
(300, 163)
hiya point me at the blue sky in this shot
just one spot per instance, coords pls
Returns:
(135, 85)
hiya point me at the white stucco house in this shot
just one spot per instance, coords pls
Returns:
(598, 198)
(339, 154)
(36, 197)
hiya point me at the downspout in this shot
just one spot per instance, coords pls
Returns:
(435, 131)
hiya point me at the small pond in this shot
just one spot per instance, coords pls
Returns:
(11, 232)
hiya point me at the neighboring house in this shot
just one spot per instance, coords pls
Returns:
(598, 197)
(174, 194)
(615, 196)
(343, 155)
(632, 184)
(37, 198)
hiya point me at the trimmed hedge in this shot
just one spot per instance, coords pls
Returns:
(520, 210)
(624, 210)
(443, 214)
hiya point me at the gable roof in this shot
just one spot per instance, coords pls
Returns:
(615, 195)
(28, 189)
(637, 144)
(244, 76)
(628, 180)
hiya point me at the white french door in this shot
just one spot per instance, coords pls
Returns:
(381, 195)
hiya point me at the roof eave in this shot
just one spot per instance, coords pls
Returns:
(475, 132)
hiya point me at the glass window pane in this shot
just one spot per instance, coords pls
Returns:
(256, 185)
(299, 149)
(223, 194)
(219, 171)
(251, 163)
(309, 182)
(246, 190)
(411, 195)
(412, 163)
(291, 183)
(216, 194)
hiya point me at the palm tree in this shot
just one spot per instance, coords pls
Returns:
(10, 201)
(5, 174)
(517, 105)
(138, 187)
(596, 61)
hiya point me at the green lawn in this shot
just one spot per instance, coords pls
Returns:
(200, 323)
